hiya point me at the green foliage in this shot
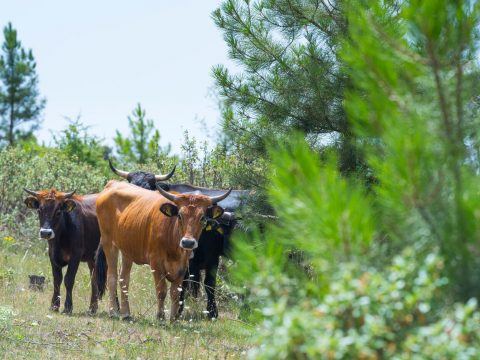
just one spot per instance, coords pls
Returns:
(418, 125)
(327, 214)
(6, 316)
(201, 166)
(321, 293)
(79, 145)
(290, 78)
(370, 314)
(190, 156)
(51, 169)
(323, 221)
(20, 102)
(143, 143)
(414, 109)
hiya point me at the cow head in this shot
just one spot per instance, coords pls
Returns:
(143, 179)
(50, 205)
(193, 213)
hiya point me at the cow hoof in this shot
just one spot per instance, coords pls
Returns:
(213, 314)
(67, 312)
(54, 308)
(126, 318)
(92, 311)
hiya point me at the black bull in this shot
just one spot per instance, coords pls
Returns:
(214, 240)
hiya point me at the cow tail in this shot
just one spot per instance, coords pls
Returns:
(101, 271)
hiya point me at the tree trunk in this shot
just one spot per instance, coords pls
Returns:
(12, 122)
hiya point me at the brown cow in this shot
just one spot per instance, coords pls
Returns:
(159, 229)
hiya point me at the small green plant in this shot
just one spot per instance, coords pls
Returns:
(143, 143)
(80, 146)
(6, 316)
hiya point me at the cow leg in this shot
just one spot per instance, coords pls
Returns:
(185, 285)
(94, 298)
(195, 281)
(161, 288)
(210, 284)
(124, 282)
(57, 282)
(111, 253)
(69, 282)
(175, 289)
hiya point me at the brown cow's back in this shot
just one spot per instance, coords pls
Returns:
(130, 218)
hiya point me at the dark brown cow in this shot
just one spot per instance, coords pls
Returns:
(69, 223)
(148, 227)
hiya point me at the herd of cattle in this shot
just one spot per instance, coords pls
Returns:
(177, 229)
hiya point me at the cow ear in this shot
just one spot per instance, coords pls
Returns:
(214, 212)
(32, 202)
(69, 205)
(169, 209)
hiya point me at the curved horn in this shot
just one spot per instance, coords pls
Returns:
(166, 194)
(121, 173)
(70, 194)
(31, 192)
(216, 199)
(165, 177)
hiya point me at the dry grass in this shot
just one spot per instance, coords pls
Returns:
(36, 332)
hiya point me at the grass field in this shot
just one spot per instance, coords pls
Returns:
(28, 329)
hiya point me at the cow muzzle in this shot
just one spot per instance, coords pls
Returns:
(47, 234)
(188, 243)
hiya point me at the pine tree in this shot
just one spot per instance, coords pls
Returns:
(291, 76)
(143, 142)
(76, 141)
(20, 102)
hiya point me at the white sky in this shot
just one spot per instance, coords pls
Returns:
(99, 58)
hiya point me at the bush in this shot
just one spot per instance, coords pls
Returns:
(49, 169)
(369, 314)
(321, 285)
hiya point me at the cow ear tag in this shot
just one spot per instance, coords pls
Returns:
(214, 212)
(169, 209)
(69, 205)
(31, 202)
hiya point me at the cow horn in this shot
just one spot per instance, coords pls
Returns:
(121, 173)
(31, 192)
(70, 194)
(216, 199)
(166, 194)
(165, 177)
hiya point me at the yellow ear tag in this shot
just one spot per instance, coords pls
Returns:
(208, 228)
(220, 230)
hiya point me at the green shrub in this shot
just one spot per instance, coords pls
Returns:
(369, 314)
(50, 169)
(320, 284)
(414, 105)
(6, 316)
